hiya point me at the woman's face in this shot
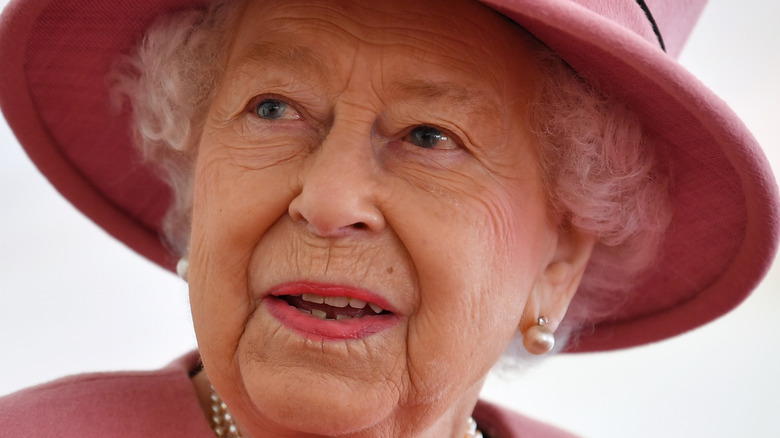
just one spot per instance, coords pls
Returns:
(366, 152)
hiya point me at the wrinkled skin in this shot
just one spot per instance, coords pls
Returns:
(310, 168)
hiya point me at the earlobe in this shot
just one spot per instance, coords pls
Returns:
(557, 284)
(538, 339)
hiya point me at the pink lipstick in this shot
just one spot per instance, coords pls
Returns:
(329, 312)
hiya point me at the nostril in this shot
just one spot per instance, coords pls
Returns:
(329, 216)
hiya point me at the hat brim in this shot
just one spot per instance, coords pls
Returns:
(723, 235)
(719, 245)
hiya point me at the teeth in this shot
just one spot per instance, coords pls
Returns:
(313, 298)
(375, 308)
(337, 301)
(356, 303)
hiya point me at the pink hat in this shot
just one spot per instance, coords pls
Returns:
(56, 53)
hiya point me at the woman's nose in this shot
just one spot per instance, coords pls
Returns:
(339, 189)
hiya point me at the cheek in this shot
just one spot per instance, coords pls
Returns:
(233, 206)
(477, 254)
(472, 231)
(239, 191)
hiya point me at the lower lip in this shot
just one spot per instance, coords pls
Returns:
(318, 329)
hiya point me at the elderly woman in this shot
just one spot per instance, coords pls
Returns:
(371, 201)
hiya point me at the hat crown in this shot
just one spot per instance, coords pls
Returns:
(674, 19)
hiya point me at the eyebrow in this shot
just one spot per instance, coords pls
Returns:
(474, 100)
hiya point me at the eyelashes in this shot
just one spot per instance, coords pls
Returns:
(274, 109)
(431, 137)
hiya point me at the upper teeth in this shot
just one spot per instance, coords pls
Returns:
(312, 298)
(375, 308)
(356, 303)
(337, 301)
(341, 302)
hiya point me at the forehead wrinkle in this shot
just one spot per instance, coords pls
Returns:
(297, 58)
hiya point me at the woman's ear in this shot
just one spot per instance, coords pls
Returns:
(558, 282)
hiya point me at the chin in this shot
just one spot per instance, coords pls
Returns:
(311, 405)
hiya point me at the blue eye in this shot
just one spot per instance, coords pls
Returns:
(271, 109)
(429, 137)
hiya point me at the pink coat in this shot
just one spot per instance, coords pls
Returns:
(163, 403)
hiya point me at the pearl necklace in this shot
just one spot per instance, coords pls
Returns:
(224, 426)
(221, 420)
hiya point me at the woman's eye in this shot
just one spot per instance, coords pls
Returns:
(429, 137)
(273, 109)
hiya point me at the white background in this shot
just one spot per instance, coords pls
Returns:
(72, 299)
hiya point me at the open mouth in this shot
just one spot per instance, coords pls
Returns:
(333, 308)
(323, 311)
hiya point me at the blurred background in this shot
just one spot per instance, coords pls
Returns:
(73, 300)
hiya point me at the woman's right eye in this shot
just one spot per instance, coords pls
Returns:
(274, 109)
(429, 137)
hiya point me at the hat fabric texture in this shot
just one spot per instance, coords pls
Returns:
(722, 238)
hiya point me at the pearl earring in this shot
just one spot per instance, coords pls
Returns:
(538, 339)
(183, 267)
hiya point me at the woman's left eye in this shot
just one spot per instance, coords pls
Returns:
(274, 109)
(429, 137)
